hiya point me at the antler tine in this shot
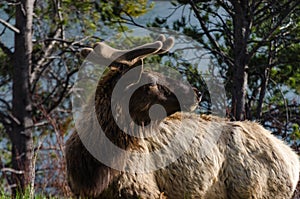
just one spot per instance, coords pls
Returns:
(167, 44)
(130, 57)
(101, 53)
(161, 38)
(104, 54)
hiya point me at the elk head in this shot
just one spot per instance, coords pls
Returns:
(142, 95)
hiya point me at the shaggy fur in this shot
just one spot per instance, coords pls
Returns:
(245, 162)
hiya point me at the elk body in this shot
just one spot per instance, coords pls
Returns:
(245, 162)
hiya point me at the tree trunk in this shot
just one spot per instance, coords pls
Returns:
(241, 25)
(265, 79)
(21, 134)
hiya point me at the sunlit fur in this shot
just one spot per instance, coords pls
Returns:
(246, 161)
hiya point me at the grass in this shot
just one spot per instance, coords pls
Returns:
(25, 196)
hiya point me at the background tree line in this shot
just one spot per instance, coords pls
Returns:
(255, 44)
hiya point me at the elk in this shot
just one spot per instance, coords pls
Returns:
(245, 161)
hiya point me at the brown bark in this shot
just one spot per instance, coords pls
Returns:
(241, 25)
(21, 134)
(265, 81)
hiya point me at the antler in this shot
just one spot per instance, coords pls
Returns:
(104, 54)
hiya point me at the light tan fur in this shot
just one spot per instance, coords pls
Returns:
(223, 160)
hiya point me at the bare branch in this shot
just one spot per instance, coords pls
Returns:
(224, 25)
(12, 171)
(38, 124)
(45, 62)
(276, 26)
(6, 104)
(226, 7)
(131, 21)
(6, 50)
(209, 36)
(62, 94)
(8, 25)
(4, 119)
(47, 52)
